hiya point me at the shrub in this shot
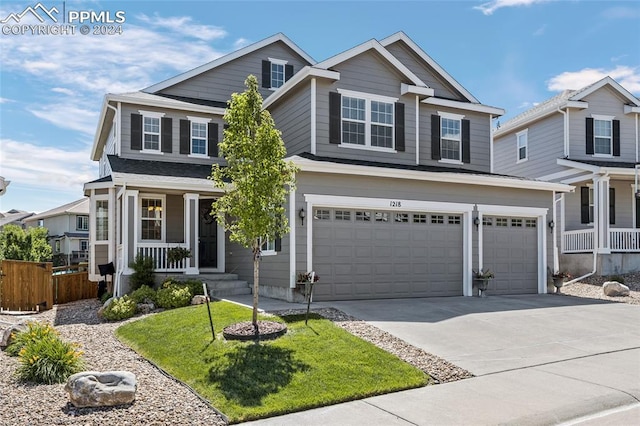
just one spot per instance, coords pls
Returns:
(174, 296)
(121, 308)
(105, 297)
(143, 293)
(49, 360)
(617, 278)
(142, 272)
(194, 285)
(35, 331)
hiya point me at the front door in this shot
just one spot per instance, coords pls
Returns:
(208, 236)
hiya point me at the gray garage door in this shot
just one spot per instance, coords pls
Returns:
(511, 252)
(367, 254)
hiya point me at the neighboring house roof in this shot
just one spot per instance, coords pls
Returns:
(228, 58)
(79, 207)
(567, 98)
(15, 218)
(158, 168)
(76, 234)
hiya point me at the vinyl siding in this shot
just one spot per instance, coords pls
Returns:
(624, 205)
(219, 83)
(174, 155)
(545, 145)
(603, 102)
(174, 220)
(292, 117)
(427, 74)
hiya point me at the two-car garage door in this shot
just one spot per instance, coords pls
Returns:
(370, 254)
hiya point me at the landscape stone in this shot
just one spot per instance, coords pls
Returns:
(145, 308)
(101, 389)
(104, 306)
(614, 289)
(198, 299)
(14, 328)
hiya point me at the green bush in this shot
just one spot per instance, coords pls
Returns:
(144, 292)
(617, 278)
(35, 331)
(49, 360)
(194, 285)
(142, 272)
(105, 297)
(121, 308)
(174, 296)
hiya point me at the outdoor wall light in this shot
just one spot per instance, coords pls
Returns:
(302, 214)
(551, 225)
(476, 221)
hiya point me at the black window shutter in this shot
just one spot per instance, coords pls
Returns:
(466, 141)
(212, 139)
(638, 213)
(435, 137)
(335, 117)
(185, 137)
(278, 243)
(399, 126)
(136, 132)
(616, 138)
(612, 206)
(288, 72)
(266, 74)
(167, 134)
(589, 132)
(584, 204)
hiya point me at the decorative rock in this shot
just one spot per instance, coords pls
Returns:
(104, 306)
(145, 308)
(614, 289)
(14, 328)
(198, 299)
(101, 389)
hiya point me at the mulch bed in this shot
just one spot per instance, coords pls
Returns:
(246, 331)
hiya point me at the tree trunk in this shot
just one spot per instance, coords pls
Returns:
(256, 276)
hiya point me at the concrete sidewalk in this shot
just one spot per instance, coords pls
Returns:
(538, 359)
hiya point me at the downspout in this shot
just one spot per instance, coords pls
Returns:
(418, 130)
(637, 154)
(491, 143)
(554, 232)
(565, 133)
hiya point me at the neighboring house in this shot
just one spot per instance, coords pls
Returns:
(395, 196)
(587, 138)
(68, 227)
(14, 217)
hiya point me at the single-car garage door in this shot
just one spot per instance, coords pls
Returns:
(368, 254)
(511, 252)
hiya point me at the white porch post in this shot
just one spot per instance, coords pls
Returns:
(601, 219)
(191, 224)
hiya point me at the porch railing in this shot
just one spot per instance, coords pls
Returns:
(626, 240)
(158, 251)
(577, 241)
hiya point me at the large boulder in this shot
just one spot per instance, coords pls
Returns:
(198, 299)
(6, 337)
(104, 306)
(614, 289)
(101, 389)
(145, 308)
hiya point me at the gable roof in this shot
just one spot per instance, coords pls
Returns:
(228, 58)
(401, 36)
(372, 44)
(80, 207)
(567, 98)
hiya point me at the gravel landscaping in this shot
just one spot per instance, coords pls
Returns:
(160, 400)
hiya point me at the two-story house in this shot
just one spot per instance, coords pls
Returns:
(68, 227)
(395, 197)
(587, 138)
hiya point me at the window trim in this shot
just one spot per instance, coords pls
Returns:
(609, 118)
(368, 98)
(459, 118)
(524, 133)
(163, 226)
(86, 242)
(281, 62)
(159, 116)
(592, 203)
(268, 251)
(96, 200)
(199, 120)
(85, 220)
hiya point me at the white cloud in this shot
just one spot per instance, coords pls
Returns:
(5, 100)
(63, 90)
(240, 43)
(184, 25)
(491, 6)
(621, 12)
(527, 105)
(619, 57)
(42, 167)
(540, 31)
(68, 115)
(628, 77)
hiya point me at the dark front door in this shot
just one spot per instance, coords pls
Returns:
(208, 236)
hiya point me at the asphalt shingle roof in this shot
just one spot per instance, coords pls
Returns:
(158, 168)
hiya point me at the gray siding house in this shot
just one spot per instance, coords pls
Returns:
(587, 138)
(395, 197)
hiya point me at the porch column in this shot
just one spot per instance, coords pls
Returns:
(130, 215)
(191, 231)
(601, 206)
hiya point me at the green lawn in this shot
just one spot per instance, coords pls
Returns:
(312, 365)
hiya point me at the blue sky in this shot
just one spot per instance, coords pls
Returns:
(508, 53)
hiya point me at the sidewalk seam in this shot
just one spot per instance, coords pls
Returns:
(389, 412)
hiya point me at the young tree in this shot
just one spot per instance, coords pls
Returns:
(18, 244)
(256, 179)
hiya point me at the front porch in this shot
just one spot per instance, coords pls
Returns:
(622, 240)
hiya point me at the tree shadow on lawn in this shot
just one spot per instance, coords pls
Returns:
(254, 371)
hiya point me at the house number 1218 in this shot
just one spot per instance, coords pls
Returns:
(395, 203)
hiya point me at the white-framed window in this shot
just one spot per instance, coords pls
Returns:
(522, 139)
(199, 136)
(277, 72)
(57, 246)
(102, 220)
(84, 245)
(367, 120)
(151, 133)
(450, 137)
(151, 218)
(40, 223)
(82, 223)
(267, 247)
(591, 203)
(322, 214)
(602, 135)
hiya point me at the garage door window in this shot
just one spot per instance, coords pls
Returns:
(454, 220)
(321, 214)
(530, 223)
(382, 217)
(437, 219)
(516, 223)
(419, 218)
(343, 215)
(402, 217)
(502, 221)
(487, 221)
(363, 216)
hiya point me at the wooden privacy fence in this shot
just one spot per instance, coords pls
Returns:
(31, 286)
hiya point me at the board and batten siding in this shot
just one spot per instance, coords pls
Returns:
(292, 116)
(219, 83)
(174, 155)
(602, 102)
(545, 144)
(428, 75)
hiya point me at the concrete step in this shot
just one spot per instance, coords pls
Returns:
(227, 288)
(213, 277)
